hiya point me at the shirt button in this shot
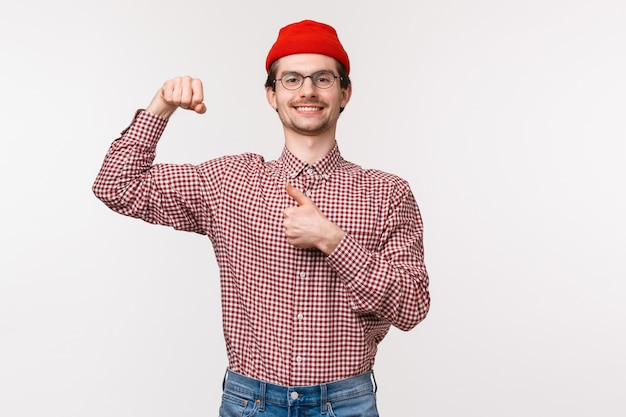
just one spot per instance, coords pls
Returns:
(309, 171)
(294, 395)
(300, 316)
(307, 193)
(298, 358)
(302, 274)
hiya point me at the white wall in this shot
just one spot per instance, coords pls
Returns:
(507, 118)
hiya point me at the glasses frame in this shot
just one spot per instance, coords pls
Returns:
(304, 77)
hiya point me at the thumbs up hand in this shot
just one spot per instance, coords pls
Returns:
(307, 227)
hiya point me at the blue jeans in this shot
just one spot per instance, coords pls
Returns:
(350, 397)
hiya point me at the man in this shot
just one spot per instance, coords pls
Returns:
(318, 257)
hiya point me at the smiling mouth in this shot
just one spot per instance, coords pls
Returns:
(308, 108)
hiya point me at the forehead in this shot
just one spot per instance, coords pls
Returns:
(305, 63)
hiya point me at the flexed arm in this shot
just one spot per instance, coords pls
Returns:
(129, 182)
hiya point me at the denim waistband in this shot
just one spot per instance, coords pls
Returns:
(310, 395)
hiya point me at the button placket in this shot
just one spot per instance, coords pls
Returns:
(299, 324)
(308, 182)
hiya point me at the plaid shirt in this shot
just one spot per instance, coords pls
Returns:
(291, 316)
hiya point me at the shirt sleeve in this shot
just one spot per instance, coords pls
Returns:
(391, 282)
(166, 194)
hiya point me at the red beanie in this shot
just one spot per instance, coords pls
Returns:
(309, 37)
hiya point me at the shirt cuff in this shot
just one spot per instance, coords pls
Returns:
(147, 118)
(145, 129)
(348, 258)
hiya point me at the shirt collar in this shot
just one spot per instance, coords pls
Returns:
(324, 167)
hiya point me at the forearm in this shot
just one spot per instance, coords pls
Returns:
(159, 107)
(128, 160)
(395, 289)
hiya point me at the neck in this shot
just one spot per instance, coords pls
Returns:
(309, 149)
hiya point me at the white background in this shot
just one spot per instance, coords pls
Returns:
(507, 118)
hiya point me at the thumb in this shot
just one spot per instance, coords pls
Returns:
(200, 108)
(296, 194)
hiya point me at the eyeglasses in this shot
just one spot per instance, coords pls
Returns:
(321, 79)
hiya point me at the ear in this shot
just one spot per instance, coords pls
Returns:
(270, 93)
(346, 93)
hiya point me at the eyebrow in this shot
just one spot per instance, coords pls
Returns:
(282, 74)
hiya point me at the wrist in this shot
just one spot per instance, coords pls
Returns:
(331, 239)
(159, 107)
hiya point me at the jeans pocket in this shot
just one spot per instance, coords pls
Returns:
(361, 406)
(235, 406)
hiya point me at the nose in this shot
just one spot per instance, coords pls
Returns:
(308, 87)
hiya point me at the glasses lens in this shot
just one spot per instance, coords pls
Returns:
(324, 79)
(291, 81)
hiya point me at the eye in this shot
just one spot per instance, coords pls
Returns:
(324, 79)
(292, 79)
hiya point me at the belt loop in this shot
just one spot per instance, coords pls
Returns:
(262, 391)
(224, 380)
(323, 399)
(374, 382)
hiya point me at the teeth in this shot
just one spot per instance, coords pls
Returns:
(308, 108)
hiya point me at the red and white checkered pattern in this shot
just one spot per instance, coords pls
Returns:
(291, 316)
